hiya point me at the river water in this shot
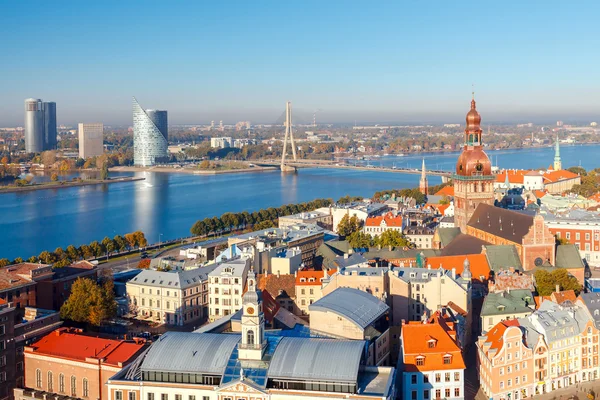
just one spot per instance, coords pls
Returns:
(165, 206)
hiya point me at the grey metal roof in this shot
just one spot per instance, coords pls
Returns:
(317, 359)
(359, 307)
(237, 267)
(173, 279)
(201, 353)
(592, 302)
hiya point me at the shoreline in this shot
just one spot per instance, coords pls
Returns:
(67, 184)
(192, 171)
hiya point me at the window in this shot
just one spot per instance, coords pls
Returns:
(426, 394)
(177, 397)
(61, 385)
(50, 382)
(191, 397)
(447, 377)
(85, 388)
(438, 394)
(447, 360)
(118, 395)
(131, 395)
(438, 378)
(509, 383)
(577, 236)
(150, 396)
(163, 396)
(457, 376)
(250, 339)
(38, 378)
(73, 386)
(420, 361)
(413, 380)
(568, 235)
(456, 392)
(413, 395)
(447, 392)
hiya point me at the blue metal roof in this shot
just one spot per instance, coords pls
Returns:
(359, 307)
(317, 359)
(205, 353)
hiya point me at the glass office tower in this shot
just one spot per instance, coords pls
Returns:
(150, 135)
(50, 133)
(34, 126)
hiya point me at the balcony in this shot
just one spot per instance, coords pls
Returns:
(253, 346)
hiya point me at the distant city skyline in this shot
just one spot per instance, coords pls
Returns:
(386, 63)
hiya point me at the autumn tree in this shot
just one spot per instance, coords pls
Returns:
(54, 177)
(90, 302)
(360, 240)
(348, 225)
(546, 281)
(391, 237)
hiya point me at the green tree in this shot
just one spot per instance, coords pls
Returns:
(90, 302)
(4, 262)
(109, 245)
(546, 281)
(392, 238)
(46, 257)
(199, 228)
(578, 170)
(54, 177)
(120, 243)
(97, 248)
(348, 225)
(73, 253)
(104, 171)
(360, 240)
(17, 260)
(264, 225)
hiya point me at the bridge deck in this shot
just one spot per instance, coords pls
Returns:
(325, 165)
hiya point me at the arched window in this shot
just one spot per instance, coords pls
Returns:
(61, 383)
(38, 378)
(73, 386)
(85, 387)
(250, 337)
(50, 382)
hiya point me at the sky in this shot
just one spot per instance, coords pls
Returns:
(399, 61)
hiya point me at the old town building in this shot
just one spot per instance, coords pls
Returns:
(375, 226)
(69, 363)
(309, 289)
(432, 362)
(226, 286)
(473, 179)
(578, 227)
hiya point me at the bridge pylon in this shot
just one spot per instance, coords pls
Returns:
(289, 133)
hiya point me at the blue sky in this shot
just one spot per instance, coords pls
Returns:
(365, 61)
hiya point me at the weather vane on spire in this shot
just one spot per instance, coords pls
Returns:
(473, 90)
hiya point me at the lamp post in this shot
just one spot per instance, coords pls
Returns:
(159, 240)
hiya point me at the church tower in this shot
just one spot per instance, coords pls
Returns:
(473, 180)
(253, 344)
(557, 161)
(423, 186)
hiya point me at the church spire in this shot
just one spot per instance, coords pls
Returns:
(557, 160)
(423, 185)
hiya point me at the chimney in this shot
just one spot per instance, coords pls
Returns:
(325, 275)
(390, 248)
(345, 256)
(278, 273)
(453, 273)
(557, 288)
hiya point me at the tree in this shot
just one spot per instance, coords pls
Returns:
(140, 239)
(104, 171)
(348, 225)
(264, 225)
(73, 253)
(96, 248)
(130, 238)
(392, 238)
(46, 257)
(90, 302)
(54, 177)
(109, 245)
(120, 243)
(546, 281)
(4, 262)
(204, 164)
(48, 158)
(144, 264)
(578, 170)
(360, 240)
(17, 260)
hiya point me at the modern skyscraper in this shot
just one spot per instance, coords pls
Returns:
(40, 125)
(150, 136)
(473, 180)
(91, 140)
(557, 160)
(34, 126)
(423, 185)
(50, 132)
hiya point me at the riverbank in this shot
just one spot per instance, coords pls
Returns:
(65, 184)
(194, 171)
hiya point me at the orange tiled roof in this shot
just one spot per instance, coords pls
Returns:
(495, 336)
(274, 283)
(565, 295)
(445, 191)
(71, 344)
(595, 197)
(389, 218)
(478, 264)
(539, 193)
(555, 176)
(311, 278)
(433, 357)
(514, 176)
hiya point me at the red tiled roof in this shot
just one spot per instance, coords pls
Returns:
(539, 193)
(555, 176)
(20, 274)
(565, 295)
(269, 305)
(312, 278)
(445, 191)
(495, 336)
(514, 176)
(595, 197)
(273, 283)
(71, 344)
(479, 265)
(420, 335)
(389, 219)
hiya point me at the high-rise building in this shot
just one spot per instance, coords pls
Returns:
(91, 140)
(473, 180)
(50, 132)
(150, 136)
(40, 125)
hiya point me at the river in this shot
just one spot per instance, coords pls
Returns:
(165, 206)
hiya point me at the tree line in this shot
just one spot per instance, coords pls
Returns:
(63, 257)
(262, 219)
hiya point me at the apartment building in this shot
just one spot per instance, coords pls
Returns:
(578, 227)
(309, 287)
(226, 286)
(420, 236)
(170, 297)
(376, 225)
(433, 365)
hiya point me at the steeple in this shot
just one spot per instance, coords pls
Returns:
(423, 185)
(252, 345)
(557, 161)
(506, 181)
(467, 270)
